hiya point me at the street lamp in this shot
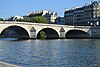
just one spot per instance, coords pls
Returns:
(93, 26)
(97, 22)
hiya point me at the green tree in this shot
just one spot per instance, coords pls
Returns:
(36, 19)
(40, 19)
(42, 35)
(1, 19)
(26, 19)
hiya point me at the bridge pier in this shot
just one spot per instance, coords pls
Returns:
(94, 32)
(62, 33)
(33, 33)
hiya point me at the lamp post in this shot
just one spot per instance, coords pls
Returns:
(93, 26)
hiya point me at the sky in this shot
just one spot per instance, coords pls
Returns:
(23, 7)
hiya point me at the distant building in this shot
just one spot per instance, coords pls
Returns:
(49, 15)
(14, 18)
(60, 20)
(90, 13)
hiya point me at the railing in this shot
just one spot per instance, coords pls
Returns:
(41, 24)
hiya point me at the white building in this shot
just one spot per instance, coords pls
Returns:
(49, 15)
(14, 18)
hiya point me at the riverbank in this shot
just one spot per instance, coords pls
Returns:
(3, 64)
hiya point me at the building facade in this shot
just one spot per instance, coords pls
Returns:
(14, 18)
(60, 20)
(49, 15)
(85, 15)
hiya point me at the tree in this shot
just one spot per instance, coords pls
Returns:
(42, 35)
(40, 19)
(36, 19)
(26, 19)
(1, 19)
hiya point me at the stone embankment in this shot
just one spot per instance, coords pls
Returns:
(3, 64)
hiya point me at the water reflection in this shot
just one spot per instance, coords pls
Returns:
(51, 53)
(8, 39)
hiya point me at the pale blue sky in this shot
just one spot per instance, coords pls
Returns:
(22, 7)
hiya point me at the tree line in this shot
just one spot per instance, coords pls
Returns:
(36, 19)
(1, 19)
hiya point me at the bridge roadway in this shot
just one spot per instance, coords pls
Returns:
(32, 30)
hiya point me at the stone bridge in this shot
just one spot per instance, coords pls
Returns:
(32, 30)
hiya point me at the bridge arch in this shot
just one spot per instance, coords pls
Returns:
(49, 33)
(15, 32)
(77, 34)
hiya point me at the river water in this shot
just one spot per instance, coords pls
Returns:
(51, 53)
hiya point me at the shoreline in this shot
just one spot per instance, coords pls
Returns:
(4, 64)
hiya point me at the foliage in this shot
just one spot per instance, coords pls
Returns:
(1, 19)
(26, 19)
(40, 19)
(42, 35)
(36, 19)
